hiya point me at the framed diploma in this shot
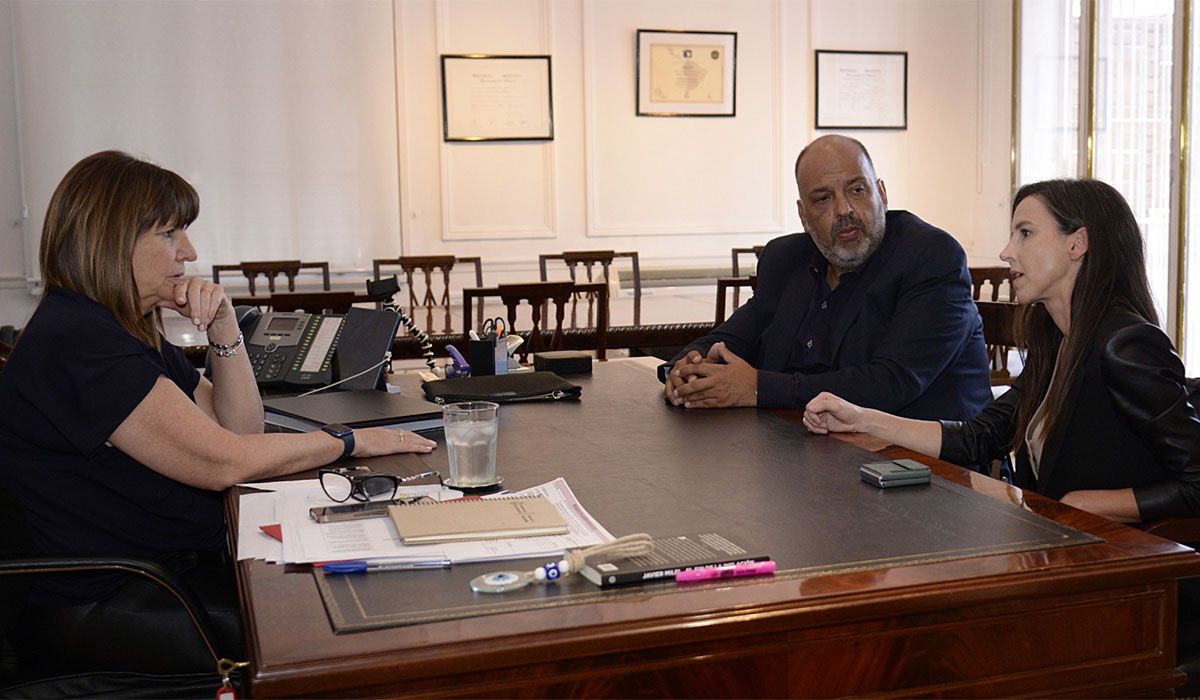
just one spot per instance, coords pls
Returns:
(686, 74)
(862, 89)
(496, 98)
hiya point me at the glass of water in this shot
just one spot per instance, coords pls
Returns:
(471, 438)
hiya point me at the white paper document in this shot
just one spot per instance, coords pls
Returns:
(307, 541)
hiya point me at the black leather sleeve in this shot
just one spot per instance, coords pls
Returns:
(985, 437)
(1144, 378)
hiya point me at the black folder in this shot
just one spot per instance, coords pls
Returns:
(357, 409)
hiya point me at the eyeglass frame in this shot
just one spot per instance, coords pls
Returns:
(357, 480)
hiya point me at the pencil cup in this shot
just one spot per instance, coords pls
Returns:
(471, 430)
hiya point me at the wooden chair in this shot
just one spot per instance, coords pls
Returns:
(999, 318)
(756, 251)
(540, 295)
(995, 276)
(589, 259)
(8, 338)
(427, 264)
(735, 283)
(313, 302)
(272, 269)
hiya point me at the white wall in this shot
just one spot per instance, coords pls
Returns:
(951, 166)
(16, 303)
(681, 191)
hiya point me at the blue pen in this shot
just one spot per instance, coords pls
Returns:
(362, 566)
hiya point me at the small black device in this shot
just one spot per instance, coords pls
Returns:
(351, 511)
(343, 433)
(563, 362)
(897, 472)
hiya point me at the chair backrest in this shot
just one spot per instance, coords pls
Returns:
(589, 259)
(995, 276)
(8, 339)
(724, 284)
(540, 295)
(313, 302)
(999, 334)
(427, 265)
(756, 251)
(272, 269)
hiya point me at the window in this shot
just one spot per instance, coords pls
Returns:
(1131, 92)
(1134, 48)
(1049, 90)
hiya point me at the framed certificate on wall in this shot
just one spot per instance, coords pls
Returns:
(496, 98)
(686, 74)
(862, 89)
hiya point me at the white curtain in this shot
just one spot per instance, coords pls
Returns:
(282, 114)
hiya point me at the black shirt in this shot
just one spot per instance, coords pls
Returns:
(817, 340)
(74, 376)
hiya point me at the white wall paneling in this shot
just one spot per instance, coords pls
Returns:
(312, 128)
(649, 176)
(950, 166)
(496, 190)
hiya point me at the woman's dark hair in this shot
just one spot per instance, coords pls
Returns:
(94, 219)
(1112, 276)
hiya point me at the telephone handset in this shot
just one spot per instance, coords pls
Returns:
(300, 350)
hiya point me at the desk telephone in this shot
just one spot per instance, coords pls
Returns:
(300, 350)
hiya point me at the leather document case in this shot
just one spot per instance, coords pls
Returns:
(502, 388)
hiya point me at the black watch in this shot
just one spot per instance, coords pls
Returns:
(343, 433)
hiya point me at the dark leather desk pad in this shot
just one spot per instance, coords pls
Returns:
(639, 465)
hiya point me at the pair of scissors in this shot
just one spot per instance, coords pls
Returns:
(493, 328)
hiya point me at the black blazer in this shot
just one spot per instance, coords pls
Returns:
(1129, 422)
(910, 341)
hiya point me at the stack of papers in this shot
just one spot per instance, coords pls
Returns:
(306, 541)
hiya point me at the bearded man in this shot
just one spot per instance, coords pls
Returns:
(872, 305)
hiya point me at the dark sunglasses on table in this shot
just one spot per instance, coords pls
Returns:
(343, 483)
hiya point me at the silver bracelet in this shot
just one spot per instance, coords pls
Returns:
(226, 350)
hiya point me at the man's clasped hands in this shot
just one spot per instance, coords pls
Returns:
(719, 379)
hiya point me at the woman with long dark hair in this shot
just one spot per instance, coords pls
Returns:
(1100, 417)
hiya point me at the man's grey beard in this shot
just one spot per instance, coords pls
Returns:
(842, 258)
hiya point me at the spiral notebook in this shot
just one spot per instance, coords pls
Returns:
(477, 519)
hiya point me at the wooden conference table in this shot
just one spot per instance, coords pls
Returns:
(1088, 619)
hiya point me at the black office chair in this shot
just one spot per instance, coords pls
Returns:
(54, 675)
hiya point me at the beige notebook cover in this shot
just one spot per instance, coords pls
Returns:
(477, 519)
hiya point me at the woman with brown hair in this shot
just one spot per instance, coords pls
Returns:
(110, 440)
(1100, 417)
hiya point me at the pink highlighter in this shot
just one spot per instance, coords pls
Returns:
(757, 568)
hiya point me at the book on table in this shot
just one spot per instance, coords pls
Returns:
(667, 557)
(477, 519)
